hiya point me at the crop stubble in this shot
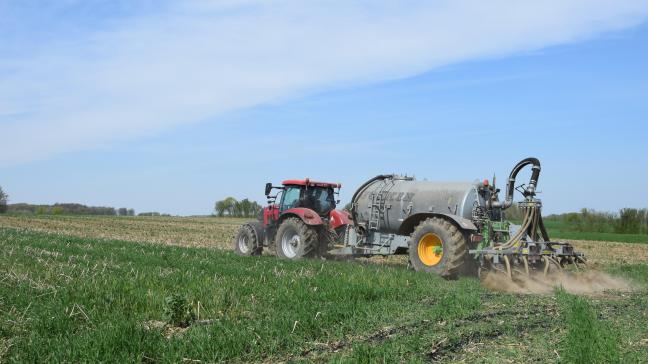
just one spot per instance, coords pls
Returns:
(218, 233)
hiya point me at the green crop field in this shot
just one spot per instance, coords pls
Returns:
(76, 289)
(560, 230)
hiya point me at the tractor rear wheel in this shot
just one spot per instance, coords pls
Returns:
(245, 242)
(438, 246)
(296, 240)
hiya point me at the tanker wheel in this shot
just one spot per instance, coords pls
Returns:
(296, 240)
(245, 242)
(438, 246)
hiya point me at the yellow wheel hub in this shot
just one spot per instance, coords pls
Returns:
(430, 249)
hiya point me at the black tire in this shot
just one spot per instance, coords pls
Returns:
(296, 240)
(246, 242)
(424, 251)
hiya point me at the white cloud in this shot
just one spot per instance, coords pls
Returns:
(199, 59)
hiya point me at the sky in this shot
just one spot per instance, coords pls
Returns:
(169, 106)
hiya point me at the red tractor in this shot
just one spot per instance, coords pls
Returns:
(302, 224)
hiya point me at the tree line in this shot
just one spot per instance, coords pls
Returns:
(233, 208)
(626, 221)
(59, 208)
(68, 209)
(152, 214)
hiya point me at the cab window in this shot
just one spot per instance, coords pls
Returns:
(320, 199)
(290, 198)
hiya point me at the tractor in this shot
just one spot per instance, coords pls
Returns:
(300, 221)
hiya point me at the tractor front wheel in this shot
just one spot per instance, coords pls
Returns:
(296, 240)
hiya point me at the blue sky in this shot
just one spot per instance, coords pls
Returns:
(170, 106)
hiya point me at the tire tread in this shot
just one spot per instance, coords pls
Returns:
(455, 248)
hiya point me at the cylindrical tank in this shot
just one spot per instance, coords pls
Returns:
(386, 201)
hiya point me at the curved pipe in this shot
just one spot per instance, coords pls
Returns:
(361, 189)
(510, 185)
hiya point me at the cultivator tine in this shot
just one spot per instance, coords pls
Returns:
(518, 272)
(526, 265)
(507, 263)
(574, 261)
(548, 261)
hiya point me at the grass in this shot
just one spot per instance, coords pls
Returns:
(86, 299)
(561, 230)
(588, 340)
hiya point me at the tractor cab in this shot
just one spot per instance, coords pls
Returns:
(316, 196)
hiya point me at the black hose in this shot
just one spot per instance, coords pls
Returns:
(359, 190)
(543, 230)
(510, 185)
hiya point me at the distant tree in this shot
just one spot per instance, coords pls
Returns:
(236, 209)
(3, 201)
(219, 208)
(514, 213)
(256, 209)
(131, 212)
(122, 211)
(227, 207)
(245, 208)
(233, 208)
(633, 221)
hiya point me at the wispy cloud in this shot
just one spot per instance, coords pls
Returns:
(195, 60)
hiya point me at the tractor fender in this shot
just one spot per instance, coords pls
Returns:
(259, 231)
(308, 216)
(339, 218)
(410, 223)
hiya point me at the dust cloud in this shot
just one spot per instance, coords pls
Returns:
(581, 283)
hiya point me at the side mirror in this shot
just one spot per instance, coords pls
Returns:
(268, 188)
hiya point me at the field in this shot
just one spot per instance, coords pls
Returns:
(190, 232)
(87, 289)
(560, 230)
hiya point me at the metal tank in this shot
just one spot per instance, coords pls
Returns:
(384, 202)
